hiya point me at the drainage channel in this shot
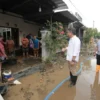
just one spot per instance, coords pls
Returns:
(27, 71)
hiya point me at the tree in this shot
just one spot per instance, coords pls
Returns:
(56, 40)
(90, 32)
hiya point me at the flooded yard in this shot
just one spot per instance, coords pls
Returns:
(87, 87)
(37, 86)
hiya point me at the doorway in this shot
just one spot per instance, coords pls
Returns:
(10, 32)
(15, 36)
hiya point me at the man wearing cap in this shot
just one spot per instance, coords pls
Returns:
(73, 51)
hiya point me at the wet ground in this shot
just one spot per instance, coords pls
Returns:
(38, 86)
(22, 64)
(87, 87)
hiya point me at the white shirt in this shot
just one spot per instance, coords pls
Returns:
(1, 98)
(73, 48)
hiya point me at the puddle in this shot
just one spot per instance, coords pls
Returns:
(87, 87)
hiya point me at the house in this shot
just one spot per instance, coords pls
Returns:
(18, 17)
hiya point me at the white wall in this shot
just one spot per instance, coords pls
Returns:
(23, 26)
(1, 30)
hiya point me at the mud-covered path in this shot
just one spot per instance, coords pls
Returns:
(87, 87)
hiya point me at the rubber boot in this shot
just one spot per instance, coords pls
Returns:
(71, 76)
(74, 80)
(97, 68)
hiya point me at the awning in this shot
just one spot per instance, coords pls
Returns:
(29, 9)
(80, 25)
(25, 7)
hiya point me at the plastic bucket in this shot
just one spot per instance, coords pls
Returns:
(7, 74)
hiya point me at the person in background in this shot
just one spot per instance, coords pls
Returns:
(31, 42)
(2, 53)
(97, 53)
(10, 46)
(36, 46)
(73, 51)
(28, 36)
(31, 45)
(3, 42)
(25, 46)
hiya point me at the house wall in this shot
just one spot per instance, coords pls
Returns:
(24, 28)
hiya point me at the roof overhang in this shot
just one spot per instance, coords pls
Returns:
(29, 9)
(80, 25)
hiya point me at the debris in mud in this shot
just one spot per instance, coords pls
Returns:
(51, 71)
(28, 95)
(41, 80)
(48, 81)
(42, 90)
(22, 89)
(16, 82)
(61, 67)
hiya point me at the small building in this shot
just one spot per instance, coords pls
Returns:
(27, 16)
(18, 17)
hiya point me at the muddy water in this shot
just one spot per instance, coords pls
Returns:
(87, 87)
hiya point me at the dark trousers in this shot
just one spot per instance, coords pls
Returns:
(73, 79)
(98, 59)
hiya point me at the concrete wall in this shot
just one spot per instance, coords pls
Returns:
(24, 27)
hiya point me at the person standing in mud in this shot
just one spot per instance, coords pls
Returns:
(25, 46)
(73, 51)
(97, 53)
(3, 55)
(36, 46)
(10, 46)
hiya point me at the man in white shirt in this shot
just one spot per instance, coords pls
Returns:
(73, 51)
(1, 98)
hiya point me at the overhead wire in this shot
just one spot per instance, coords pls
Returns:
(77, 9)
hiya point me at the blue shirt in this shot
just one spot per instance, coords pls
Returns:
(36, 43)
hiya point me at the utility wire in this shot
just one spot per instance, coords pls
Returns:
(77, 9)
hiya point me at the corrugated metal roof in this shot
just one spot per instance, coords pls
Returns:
(60, 3)
(29, 9)
(27, 6)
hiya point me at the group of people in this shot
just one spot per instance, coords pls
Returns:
(6, 48)
(30, 42)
